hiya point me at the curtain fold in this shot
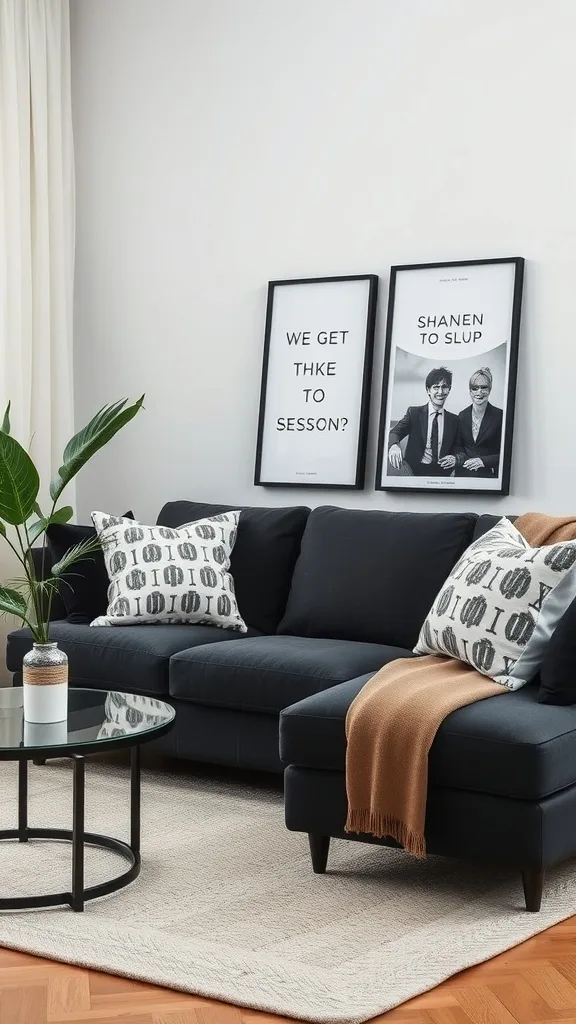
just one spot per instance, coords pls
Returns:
(36, 231)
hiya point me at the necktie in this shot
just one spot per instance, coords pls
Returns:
(434, 439)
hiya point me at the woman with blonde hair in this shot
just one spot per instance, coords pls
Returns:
(480, 435)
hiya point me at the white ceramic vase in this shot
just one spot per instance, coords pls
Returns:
(45, 679)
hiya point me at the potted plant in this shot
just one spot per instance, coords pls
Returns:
(22, 524)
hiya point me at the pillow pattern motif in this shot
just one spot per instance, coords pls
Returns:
(126, 712)
(500, 605)
(163, 575)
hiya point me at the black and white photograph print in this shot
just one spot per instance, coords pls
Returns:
(450, 377)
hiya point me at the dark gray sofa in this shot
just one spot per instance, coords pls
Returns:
(330, 596)
(229, 689)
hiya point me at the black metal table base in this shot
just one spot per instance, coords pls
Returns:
(79, 894)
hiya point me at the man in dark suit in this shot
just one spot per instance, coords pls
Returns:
(431, 431)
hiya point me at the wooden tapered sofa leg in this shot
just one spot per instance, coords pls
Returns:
(533, 882)
(39, 760)
(319, 846)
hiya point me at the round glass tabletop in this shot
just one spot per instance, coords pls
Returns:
(95, 718)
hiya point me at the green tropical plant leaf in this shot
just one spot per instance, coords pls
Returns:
(2, 529)
(61, 515)
(12, 603)
(35, 529)
(19, 482)
(75, 554)
(101, 429)
(39, 526)
(6, 421)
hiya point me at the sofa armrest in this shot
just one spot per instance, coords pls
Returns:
(58, 609)
(312, 731)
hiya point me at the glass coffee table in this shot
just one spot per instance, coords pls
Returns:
(98, 720)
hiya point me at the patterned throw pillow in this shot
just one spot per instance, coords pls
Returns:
(500, 605)
(162, 575)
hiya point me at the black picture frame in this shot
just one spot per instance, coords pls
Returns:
(458, 484)
(356, 477)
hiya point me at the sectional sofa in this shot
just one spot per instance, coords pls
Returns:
(331, 595)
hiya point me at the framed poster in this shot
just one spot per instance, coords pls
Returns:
(316, 373)
(450, 377)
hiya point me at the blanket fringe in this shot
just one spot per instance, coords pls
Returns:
(384, 826)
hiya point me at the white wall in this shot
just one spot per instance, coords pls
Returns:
(223, 144)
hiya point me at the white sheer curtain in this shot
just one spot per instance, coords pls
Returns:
(36, 231)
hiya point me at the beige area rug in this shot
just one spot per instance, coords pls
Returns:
(227, 904)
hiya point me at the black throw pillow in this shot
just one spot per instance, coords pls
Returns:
(84, 592)
(558, 670)
(263, 557)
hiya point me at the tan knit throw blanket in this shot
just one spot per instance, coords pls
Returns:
(392, 722)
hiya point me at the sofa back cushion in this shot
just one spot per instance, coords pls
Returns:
(372, 575)
(558, 668)
(487, 522)
(263, 557)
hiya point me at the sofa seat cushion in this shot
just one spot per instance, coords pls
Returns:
(372, 575)
(267, 673)
(134, 658)
(508, 745)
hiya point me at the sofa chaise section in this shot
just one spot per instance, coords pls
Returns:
(502, 780)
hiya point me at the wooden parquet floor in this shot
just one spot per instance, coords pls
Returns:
(534, 983)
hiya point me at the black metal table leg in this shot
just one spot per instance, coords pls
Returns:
(22, 801)
(77, 901)
(135, 801)
(79, 895)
